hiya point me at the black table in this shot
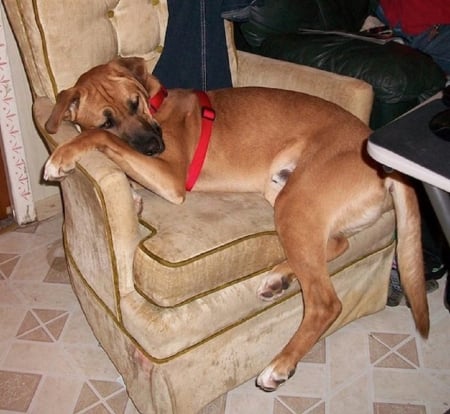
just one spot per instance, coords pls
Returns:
(407, 145)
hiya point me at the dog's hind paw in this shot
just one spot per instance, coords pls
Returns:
(272, 287)
(276, 282)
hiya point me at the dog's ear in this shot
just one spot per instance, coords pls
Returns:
(65, 109)
(136, 66)
(138, 69)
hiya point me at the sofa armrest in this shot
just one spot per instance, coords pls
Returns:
(352, 94)
(100, 216)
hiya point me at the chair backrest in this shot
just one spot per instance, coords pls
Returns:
(61, 39)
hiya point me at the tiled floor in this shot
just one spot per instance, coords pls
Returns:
(51, 363)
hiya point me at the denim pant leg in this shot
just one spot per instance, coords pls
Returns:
(438, 47)
(195, 52)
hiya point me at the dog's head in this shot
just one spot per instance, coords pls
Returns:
(113, 97)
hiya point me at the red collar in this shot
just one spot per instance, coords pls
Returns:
(156, 101)
(208, 116)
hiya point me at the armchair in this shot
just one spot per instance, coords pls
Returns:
(170, 295)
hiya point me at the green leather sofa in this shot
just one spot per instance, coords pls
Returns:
(401, 76)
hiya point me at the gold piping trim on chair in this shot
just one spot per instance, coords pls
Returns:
(250, 276)
(108, 235)
(199, 256)
(125, 332)
(31, 49)
(214, 335)
(206, 293)
(45, 49)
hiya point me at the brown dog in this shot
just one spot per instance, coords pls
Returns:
(306, 155)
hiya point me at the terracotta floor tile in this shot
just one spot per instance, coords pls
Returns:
(8, 266)
(86, 399)
(58, 272)
(385, 408)
(118, 402)
(409, 352)
(17, 390)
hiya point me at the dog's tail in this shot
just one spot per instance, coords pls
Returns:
(409, 249)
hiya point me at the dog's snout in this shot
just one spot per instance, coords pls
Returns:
(149, 140)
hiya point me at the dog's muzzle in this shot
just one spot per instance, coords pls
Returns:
(148, 140)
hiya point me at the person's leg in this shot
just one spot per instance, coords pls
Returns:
(435, 251)
(433, 240)
(395, 293)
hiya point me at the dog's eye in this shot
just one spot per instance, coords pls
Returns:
(109, 122)
(106, 125)
(134, 105)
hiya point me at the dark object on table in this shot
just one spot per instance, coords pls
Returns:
(440, 124)
(411, 137)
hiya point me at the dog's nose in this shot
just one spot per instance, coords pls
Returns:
(148, 141)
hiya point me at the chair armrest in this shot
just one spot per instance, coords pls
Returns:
(100, 215)
(352, 94)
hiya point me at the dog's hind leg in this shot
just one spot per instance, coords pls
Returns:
(303, 230)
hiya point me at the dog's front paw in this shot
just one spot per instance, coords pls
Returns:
(60, 164)
(272, 377)
(57, 172)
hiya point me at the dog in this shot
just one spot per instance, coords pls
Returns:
(306, 155)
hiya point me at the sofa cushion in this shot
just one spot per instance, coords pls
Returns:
(288, 16)
(401, 76)
(397, 72)
(217, 239)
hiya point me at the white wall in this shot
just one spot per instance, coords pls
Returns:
(35, 150)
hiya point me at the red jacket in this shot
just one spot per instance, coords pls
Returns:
(415, 16)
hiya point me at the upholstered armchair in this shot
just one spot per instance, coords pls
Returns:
(170, 294)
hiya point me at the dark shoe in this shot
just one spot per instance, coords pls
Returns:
(436, 273)
(394, 298)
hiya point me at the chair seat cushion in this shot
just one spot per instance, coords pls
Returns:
(215, 240)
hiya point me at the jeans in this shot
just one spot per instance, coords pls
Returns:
(195, 53)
